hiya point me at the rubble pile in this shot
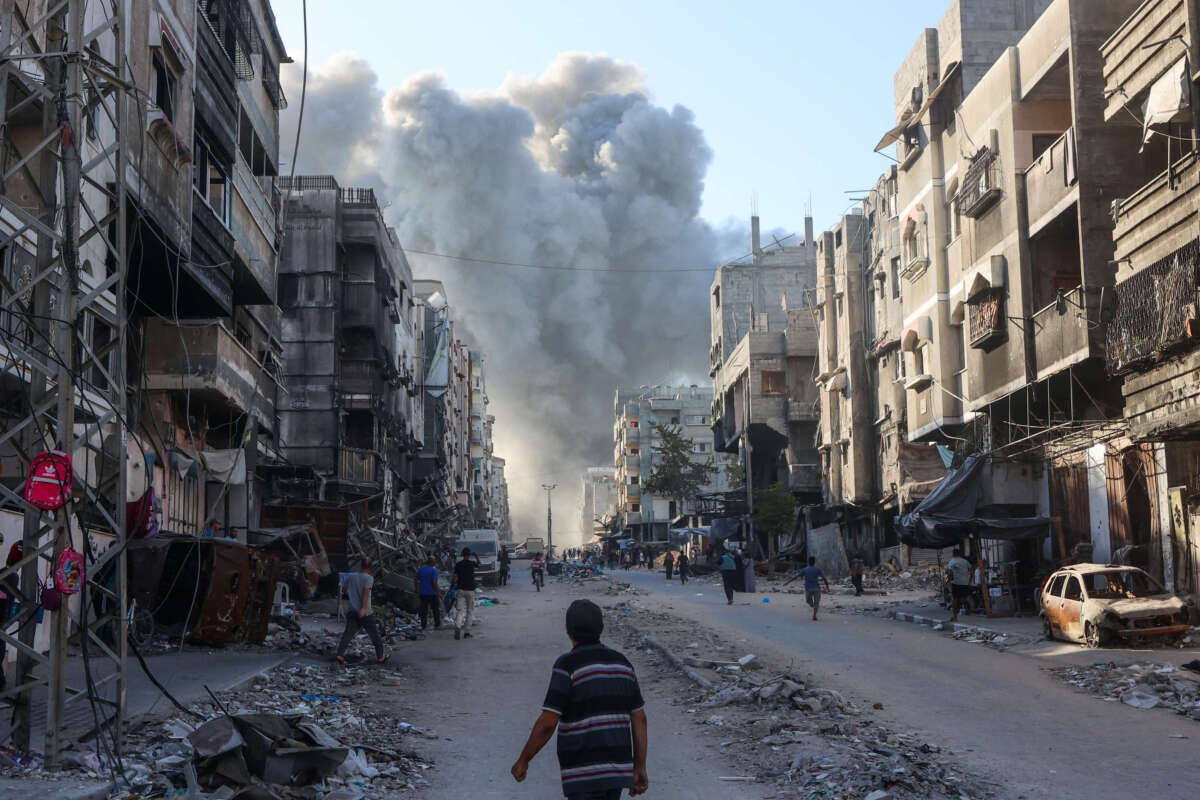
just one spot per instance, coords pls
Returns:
(993, 639)
(784, 728)
(307, 732)
(924, 578)
(1142, 685)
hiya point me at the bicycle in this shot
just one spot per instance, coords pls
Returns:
(539, 579)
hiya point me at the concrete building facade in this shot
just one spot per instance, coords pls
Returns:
(598, 504)
(647, 517)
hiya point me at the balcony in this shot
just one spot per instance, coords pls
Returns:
(1156, 311)
(1060, 333)
(1050, 182)
(1158, 218)
(205, 359)
(802, 411)
(980, 187)
(1140, 50)
(358, 466)
(804, 477)
(986, 320)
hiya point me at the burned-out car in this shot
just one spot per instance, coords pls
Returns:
(1098, 604)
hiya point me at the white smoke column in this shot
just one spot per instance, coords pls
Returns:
(576, 167)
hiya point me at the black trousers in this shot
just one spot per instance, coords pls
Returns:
(368, 623)
(608, 794)
(430, 601)
(683, 574)
(727, 578)
(857, 581)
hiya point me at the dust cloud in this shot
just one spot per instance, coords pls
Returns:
(575, 167)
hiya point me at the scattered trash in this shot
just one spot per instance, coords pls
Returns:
(1142, 685)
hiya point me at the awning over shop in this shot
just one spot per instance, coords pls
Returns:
(950, 513)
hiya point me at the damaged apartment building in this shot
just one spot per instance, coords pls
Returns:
(276, 364)
(762, 362)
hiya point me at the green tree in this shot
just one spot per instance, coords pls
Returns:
(774, 513)
(677, 476)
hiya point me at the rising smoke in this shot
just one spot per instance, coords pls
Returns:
(574, 167)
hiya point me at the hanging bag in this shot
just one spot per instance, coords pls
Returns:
(68, 572)
(49, 483)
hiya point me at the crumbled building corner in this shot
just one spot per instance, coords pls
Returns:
(781, 726)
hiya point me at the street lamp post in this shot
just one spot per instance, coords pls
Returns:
(549, 487)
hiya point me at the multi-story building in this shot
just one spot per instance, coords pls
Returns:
(1151, 338)
(1005, 188)
(501, 520)
(344, 286)
(763, 342)
(644, 516)
(598, 502)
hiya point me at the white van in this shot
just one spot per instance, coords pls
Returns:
(486, 544)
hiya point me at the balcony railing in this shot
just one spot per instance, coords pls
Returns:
(358, 466)
(1156, 311)
(986, 321)
(980, 186)
(1062, 332)
(804, 477)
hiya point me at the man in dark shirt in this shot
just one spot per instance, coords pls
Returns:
(596, 704)
(464, 582)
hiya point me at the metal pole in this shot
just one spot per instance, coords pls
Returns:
(549, 487)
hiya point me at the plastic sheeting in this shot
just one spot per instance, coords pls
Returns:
(949, 514)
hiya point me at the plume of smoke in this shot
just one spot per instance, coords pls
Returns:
(574, 167)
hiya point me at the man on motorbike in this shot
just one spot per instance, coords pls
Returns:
(538, 567)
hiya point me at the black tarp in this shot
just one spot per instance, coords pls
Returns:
(950, 513)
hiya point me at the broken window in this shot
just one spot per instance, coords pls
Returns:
(164, 88)
(1073, 591)
(210, 179)
(774, 382)
(635, 507)
(633, 480)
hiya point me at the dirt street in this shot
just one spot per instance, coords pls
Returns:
(1003, 713)
(481, 696)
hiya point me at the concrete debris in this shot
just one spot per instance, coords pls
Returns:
(1142, 685)
(307, 732)
(785, 729)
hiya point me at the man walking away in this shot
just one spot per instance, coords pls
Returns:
(960, 582)
(596, 704)
(728, 575)
(429, 593)
(504, 565)
(856, 573)
(669, 563)
(684, 566)
(361, 615)
(813, 577)
(464, 582)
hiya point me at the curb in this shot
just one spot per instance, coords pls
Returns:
(952, 627)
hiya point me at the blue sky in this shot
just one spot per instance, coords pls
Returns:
(792, 96)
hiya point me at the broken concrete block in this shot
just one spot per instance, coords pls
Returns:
(747, 660)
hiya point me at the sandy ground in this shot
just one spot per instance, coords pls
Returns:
(1001, 712)
(482, 695)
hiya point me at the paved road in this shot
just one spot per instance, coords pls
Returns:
(1008, 718)
(484, 694)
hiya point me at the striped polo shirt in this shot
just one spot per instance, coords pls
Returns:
(593, 690)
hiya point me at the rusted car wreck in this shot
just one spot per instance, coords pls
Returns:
(1097, 604)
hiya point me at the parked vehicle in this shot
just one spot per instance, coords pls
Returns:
(485, 543)
(533, 546)
(1097, 603)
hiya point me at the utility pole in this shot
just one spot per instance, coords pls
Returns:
(549, 487)
(77, 398)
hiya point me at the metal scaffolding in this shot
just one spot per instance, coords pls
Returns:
(65, 106)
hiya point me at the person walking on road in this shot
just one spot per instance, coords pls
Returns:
(669, 564)
(960, 582)
(595, 703)
(429, 593)
(464, 603)
(813, 578)
(856, 573)
(504, 565)
(684, 566)
(361, 615)
(537, 569)
(728, 574)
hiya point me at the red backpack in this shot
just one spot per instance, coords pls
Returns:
(49, 483)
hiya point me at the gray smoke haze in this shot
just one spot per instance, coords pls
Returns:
(574, 167)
